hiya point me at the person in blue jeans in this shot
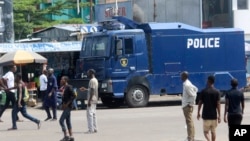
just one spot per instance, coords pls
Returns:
(68, 96)
(20, 105)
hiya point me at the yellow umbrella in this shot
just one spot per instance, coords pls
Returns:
(21, 57)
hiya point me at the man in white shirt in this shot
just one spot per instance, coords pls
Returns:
(43, 80)
(92, 101)
(188, 101)
(9, 78)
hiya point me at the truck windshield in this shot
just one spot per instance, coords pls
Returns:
(95, 46)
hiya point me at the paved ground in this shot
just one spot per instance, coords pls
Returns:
(162, 120)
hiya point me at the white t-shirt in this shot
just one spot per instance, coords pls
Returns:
(43, 82)
(189, 93)
(93, 83)
(9, 77)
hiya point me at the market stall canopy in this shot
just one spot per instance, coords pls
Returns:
(41, 47)
(21, 57)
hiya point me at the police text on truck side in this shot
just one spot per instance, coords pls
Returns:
(213, 42)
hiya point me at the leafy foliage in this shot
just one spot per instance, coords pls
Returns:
(28, 15)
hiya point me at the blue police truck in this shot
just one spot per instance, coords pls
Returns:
(133, 61)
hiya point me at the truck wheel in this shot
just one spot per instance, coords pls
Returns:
(112, 102)
(137, 96)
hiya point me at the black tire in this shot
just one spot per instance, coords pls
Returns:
(112, 102)
(137, 96)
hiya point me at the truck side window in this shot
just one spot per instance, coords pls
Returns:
(118, 47)
(128, 46)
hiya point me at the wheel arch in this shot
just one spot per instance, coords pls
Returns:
(138, 80)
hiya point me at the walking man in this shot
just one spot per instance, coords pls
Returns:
(234, 106)
(92, 101)
(67, 99)
(50, 97)
(210, 99)
(43, 84)
(188, 101)
(10, 94)
(20, 105)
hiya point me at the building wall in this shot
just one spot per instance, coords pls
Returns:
(185, 11)
(242, 18)
(214, 13)
(105, 12)
(72, 12)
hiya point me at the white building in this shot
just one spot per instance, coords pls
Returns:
(241, 16)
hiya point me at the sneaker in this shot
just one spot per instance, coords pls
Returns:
(1, 120)
(66, 138)
(39, 124)
(54, 119)
(71, 139)
(89, 132)
(47, 119)
(10, 129)
(95, 131)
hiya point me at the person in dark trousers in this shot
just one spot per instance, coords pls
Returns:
(51, 97)
(210, 99)
(67, 99)
(9, 81)
(234, 106)
(20, 105)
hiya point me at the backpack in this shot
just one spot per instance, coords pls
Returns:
(26, 95)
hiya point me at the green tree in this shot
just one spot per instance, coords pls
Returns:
(28, 15)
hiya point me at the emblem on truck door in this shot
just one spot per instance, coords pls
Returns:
(124, 62)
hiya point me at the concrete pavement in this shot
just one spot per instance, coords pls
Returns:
(161, 121)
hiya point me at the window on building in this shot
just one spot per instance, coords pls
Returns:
(242, 4)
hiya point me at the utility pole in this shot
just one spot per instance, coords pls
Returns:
(6, 28)
(91, 12)
(116, 8)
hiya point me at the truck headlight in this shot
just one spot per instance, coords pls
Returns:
(104, 85)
